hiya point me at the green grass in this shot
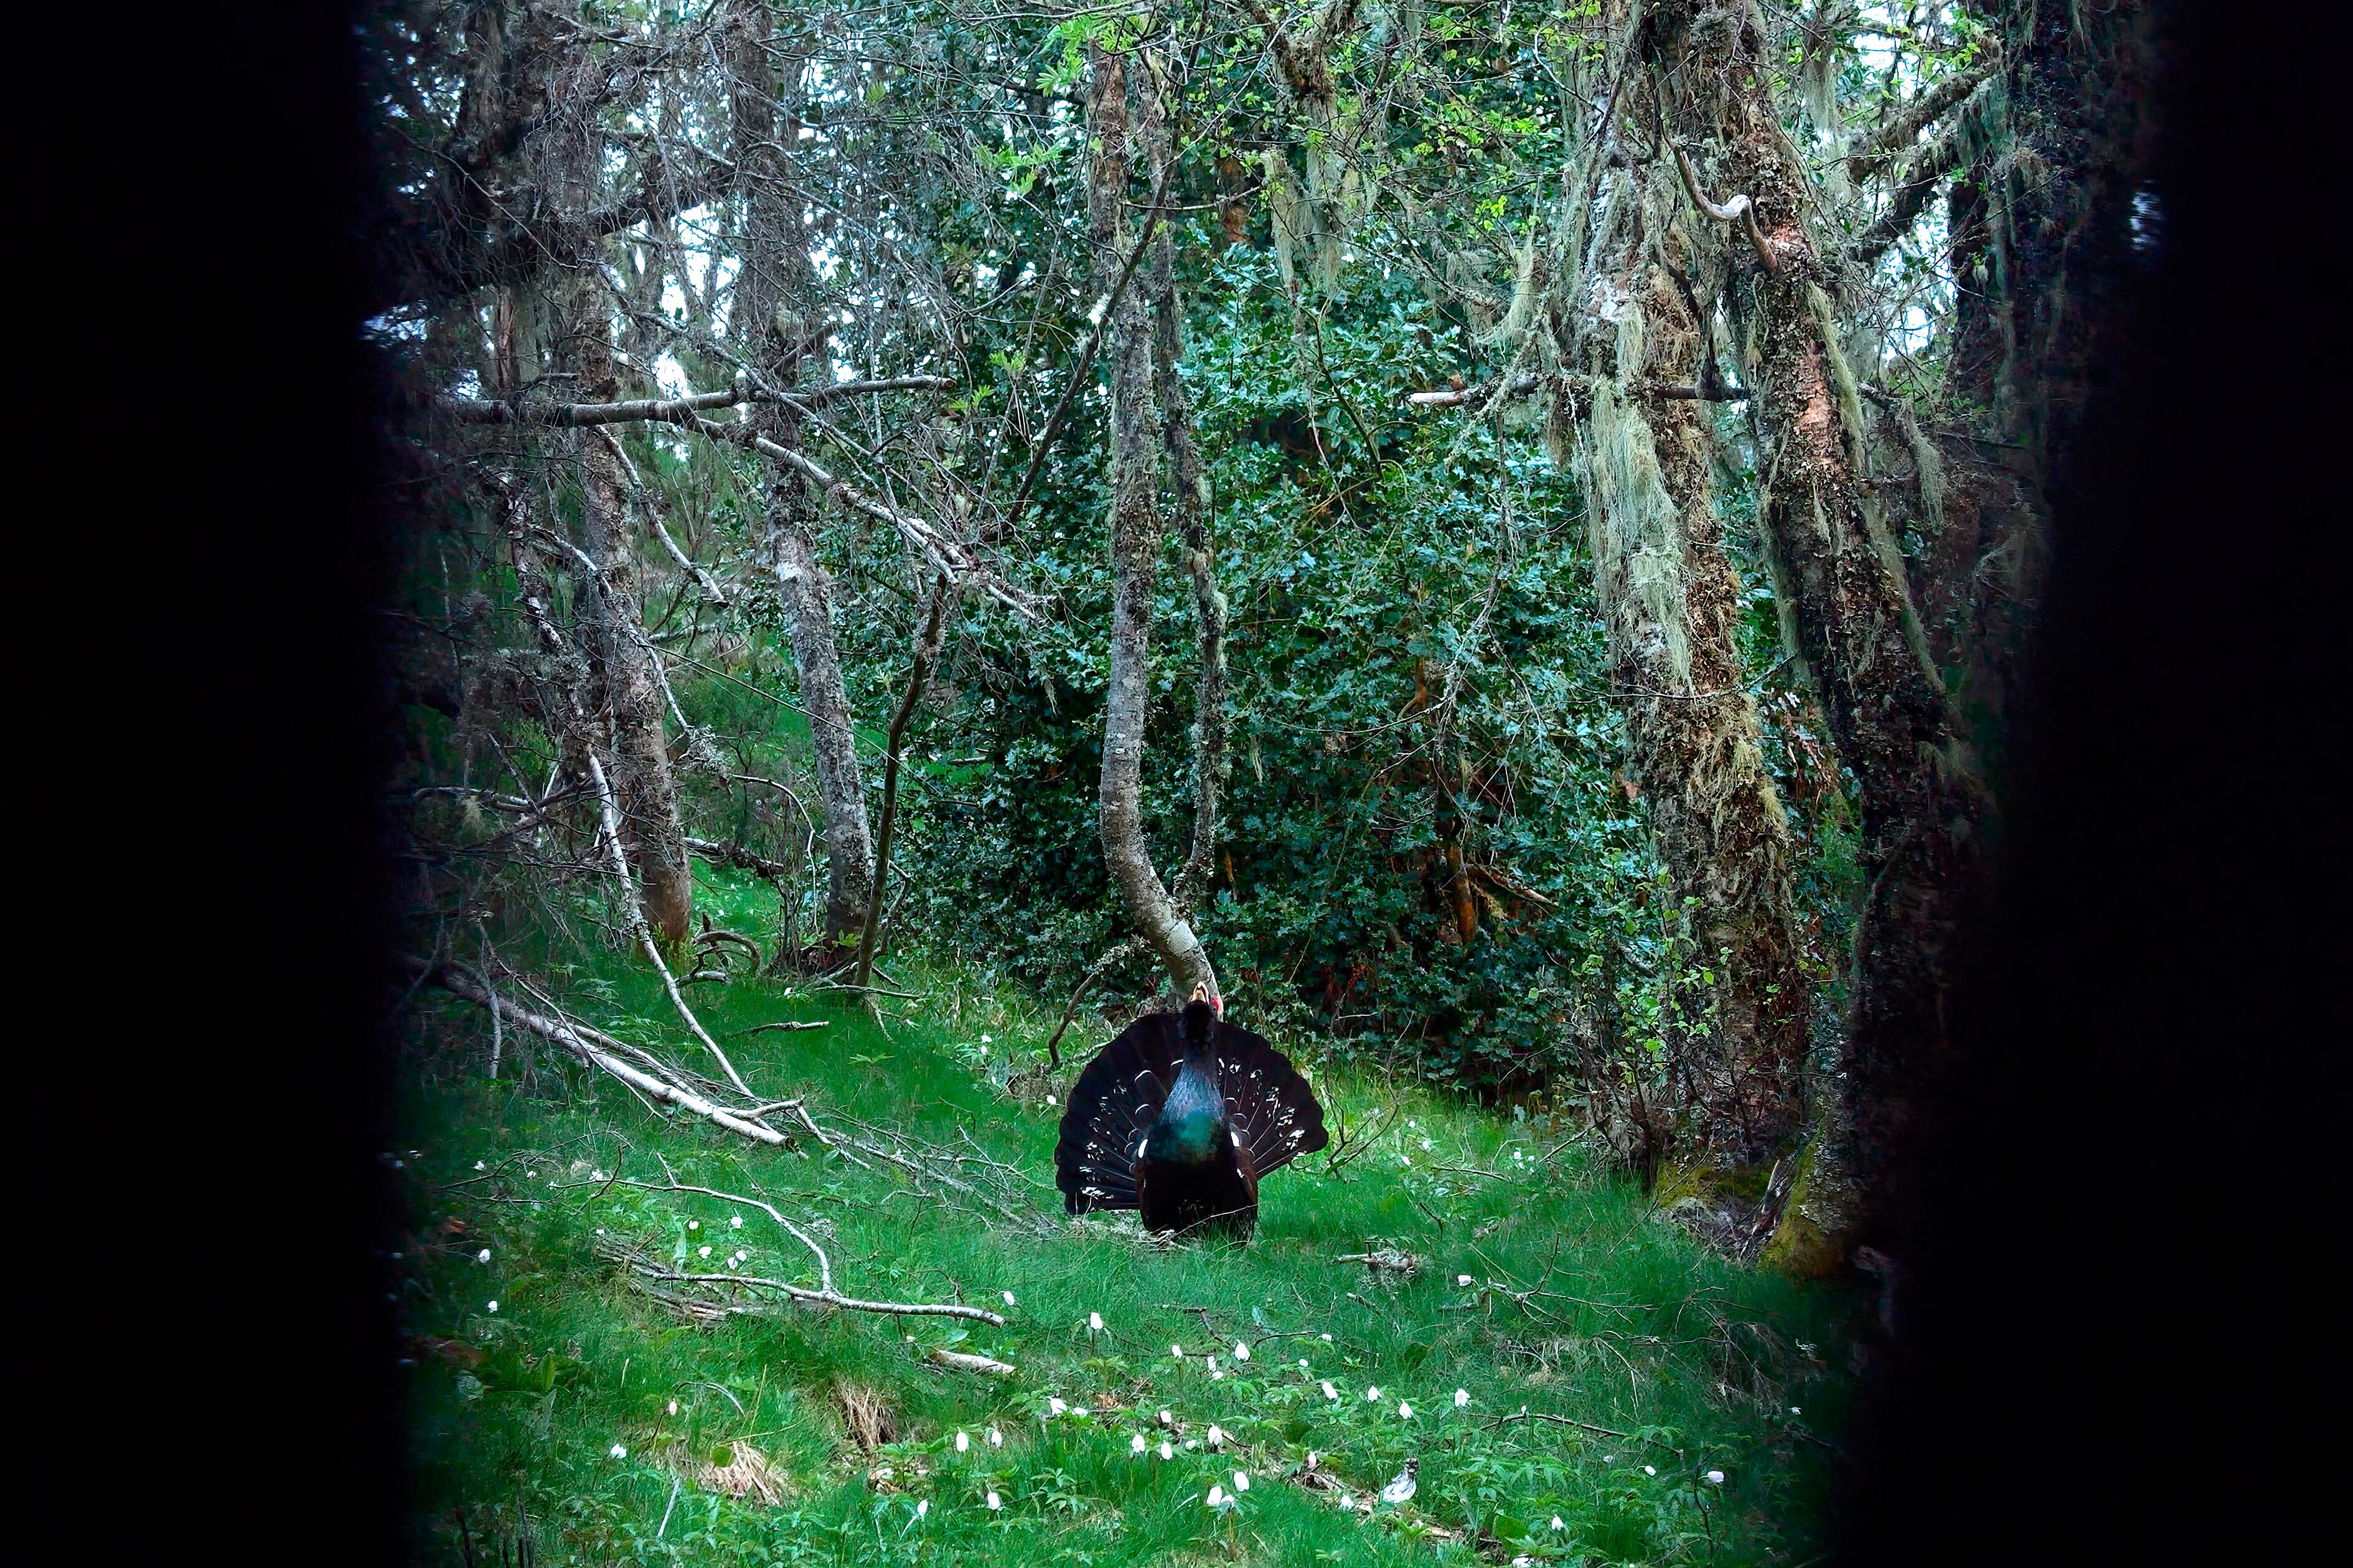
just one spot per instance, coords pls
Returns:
(1631, 1326)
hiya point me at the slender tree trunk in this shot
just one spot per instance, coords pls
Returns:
(1672, 603)
(610, 612)
(1135, 537)
(774, 283)
(1190, 487)
(1857, 633)
(928, 643)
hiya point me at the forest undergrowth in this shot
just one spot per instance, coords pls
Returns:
(1573, 1379)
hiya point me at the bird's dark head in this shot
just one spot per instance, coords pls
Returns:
(1199, 1020)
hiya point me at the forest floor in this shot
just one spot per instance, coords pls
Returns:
(1571, 1373)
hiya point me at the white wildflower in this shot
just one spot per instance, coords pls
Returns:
(1216, 1496)
(1166, 1452)
(480, 1167)
(1716, 1477)
(735, 1222)
(1649, 1469)
(1191, 1444)
(703, 1252)
(1325, 1338)
(670, 1409)
(1372, 1395)
(1462, 1280)
(1177, 1351)
(964, 1442)
(1303, 1363)
(1054, 1405)
(1557, 1524)
(1094, 1323)
(1405, 1411)
(995, 1439)
(1050, 1099)
(595, 1175)
(1462, 1397)
(694, 1225)
(1241, 1480)
(1136, 1445)
(1078, 1410)
(923, 1508)
(1166, 1419)
(619, 1452)
(1330, 1392)
(987, 1041)
(494, 1306)
(1425, 1145)
(484, 1255)
(995, 1503)
(1008, 1298)
(1242, 1350)
(1217, 1438)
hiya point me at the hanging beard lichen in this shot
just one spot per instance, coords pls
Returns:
(1631, 520)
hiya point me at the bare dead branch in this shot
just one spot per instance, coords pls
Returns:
(1739, 208)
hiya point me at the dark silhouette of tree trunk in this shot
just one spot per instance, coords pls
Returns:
(771, 291)
(1135, 531)
(2044, 222)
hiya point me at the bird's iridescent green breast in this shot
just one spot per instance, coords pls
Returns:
(1192, 1121)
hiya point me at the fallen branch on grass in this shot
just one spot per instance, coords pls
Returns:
(825, 1295)
(648, 1074)
(1556, 1420)
(603, 1053)
(646, 1268)
(964, 1362)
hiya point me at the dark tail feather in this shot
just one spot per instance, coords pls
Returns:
(1116, 1097)
(1273, 1112)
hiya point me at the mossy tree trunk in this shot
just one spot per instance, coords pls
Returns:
(1670, 601)
(1919, 806)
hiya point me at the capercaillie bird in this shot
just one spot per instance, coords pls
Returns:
(1180, 1116)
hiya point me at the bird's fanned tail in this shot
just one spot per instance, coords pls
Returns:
(1110, 1107)
(1273, 1112)
(1270, 1107)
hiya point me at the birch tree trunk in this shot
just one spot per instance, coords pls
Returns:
(1135, 534)
(774, 285)
(1670, 601)
(1856, 632)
